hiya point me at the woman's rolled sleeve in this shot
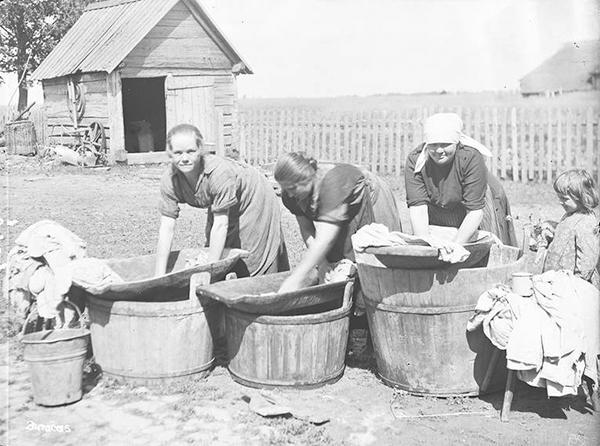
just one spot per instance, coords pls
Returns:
(168, 204)
(474, 182)
(416, 191)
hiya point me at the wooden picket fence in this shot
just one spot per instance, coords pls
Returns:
(529, 144)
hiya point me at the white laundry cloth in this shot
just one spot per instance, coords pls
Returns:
(377, 235)
(551, 338)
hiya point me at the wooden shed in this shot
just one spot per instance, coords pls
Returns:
(139, 67)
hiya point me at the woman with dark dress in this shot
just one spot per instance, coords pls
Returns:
(448, 184)
(330, 205)
(243, 209)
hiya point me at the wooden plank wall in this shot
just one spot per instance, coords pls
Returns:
(57, 110)
(529, 144)
(178, 41)
(226, 104)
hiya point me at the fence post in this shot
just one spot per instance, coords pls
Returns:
(530, 144)
(549, 159)
(589, 136)
(504, 147)
(568, 140)
(513, 144)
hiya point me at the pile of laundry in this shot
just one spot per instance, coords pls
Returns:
(45, 261)
(551, 338)
(337, 272)
(377, 235)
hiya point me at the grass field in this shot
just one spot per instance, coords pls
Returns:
(115, 212)
(393, 102)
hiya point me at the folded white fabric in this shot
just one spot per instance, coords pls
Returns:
(377, 235)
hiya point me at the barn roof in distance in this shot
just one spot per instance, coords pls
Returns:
(109, 30)
(569, 69)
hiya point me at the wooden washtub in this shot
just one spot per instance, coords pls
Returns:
(418, 319)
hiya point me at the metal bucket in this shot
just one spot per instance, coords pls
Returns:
(55, 359)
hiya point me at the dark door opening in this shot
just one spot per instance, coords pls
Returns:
(144, 115)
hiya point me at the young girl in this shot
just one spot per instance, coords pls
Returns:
(576, 244)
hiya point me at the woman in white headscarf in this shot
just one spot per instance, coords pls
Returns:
(448, 184)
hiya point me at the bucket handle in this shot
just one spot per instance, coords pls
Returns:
(35, 311)
(197, 280)
(348, 289)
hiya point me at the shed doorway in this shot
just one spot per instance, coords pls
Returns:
(144, 116)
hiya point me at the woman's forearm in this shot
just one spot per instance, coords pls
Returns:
(218, 236)
(325, 237)
(307, 230)
(469, 225)
(419, 219)
(163, 248)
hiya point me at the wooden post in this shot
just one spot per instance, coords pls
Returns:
(540, 131)
(531, 155)
(360, 135)
(496, 146)
(504, 143)
(559, 147)
(589, 140)
(375, 147)
(549, 151)
(242, 130)
(578, 136)
(514, 144)
(114, 97)
(568, 140)
(390, 122)
(522, 137)
(508, 396)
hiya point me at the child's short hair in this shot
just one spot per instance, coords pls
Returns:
(580, 186)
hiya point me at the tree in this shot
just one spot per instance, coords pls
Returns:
(29, 30)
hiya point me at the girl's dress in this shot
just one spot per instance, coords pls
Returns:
(576, 247)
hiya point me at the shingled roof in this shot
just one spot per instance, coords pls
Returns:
(108, 31)
(569, 69)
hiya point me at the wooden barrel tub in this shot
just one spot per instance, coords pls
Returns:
(20, 138)
(151, 340)
(418, 318)
(304, 348)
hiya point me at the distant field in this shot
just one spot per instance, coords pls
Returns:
(402, 101)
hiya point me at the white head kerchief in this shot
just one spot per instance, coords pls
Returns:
(446, 128)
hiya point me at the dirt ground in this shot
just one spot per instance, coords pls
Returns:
(115, 212)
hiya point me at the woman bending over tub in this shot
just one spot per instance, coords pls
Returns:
(330, 205)
(448, 184)
(243, 210)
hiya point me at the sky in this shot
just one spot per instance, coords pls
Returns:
(322, 48)
(316, 48)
